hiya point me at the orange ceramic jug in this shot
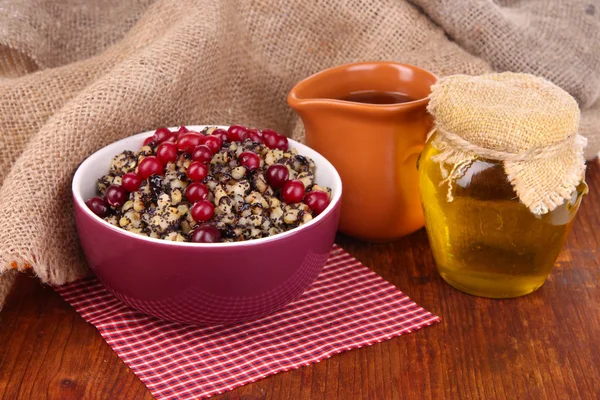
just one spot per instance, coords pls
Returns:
(374, 147)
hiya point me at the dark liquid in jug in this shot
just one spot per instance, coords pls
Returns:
(375, 97)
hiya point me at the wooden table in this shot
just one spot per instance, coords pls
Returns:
(542, 346)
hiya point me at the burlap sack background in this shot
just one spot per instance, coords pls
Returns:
(77, 75)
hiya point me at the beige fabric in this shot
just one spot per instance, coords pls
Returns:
(527, 122)
(556, 39)
(80, 74)
(6, 283)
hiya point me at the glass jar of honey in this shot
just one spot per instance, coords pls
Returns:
(501, 179)
(486, 242)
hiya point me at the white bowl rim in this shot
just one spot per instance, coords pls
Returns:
(302, 149)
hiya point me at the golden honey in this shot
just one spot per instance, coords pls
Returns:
(485, 241)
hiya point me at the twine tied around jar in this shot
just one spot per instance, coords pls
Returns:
(526, 122)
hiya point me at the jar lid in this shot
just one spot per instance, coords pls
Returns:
(527, 122)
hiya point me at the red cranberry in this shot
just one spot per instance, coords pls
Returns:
(214, 143)
(206, 234)
(162, 134)
(173, 138)
(202, 153)
(254, 135)
(270, 137)
(196, 191)
(282, 143)
(237, 133)
(131, 181)
(197, 171)
(202, 211)
(98, 206)
(150, 166)
(183, 129)
(188, 142)
(317, 201)
(277, 175)
(149, 141)
(166, 152)
(221, 134)
(116, 196)
(249, 160)
(292, 191)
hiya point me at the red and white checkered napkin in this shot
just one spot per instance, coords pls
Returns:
(348, 307)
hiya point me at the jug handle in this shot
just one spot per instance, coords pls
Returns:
(411, 152)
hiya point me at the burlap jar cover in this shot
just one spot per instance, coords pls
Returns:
(526, 122)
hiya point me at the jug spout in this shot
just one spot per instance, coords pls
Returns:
(374, 147)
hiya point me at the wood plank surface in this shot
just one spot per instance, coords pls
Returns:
(542, 346)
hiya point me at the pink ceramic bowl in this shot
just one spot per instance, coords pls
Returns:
(203, 284)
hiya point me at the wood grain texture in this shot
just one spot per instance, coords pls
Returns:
(542, 346)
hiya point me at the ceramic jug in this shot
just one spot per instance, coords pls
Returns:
(374, 147)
